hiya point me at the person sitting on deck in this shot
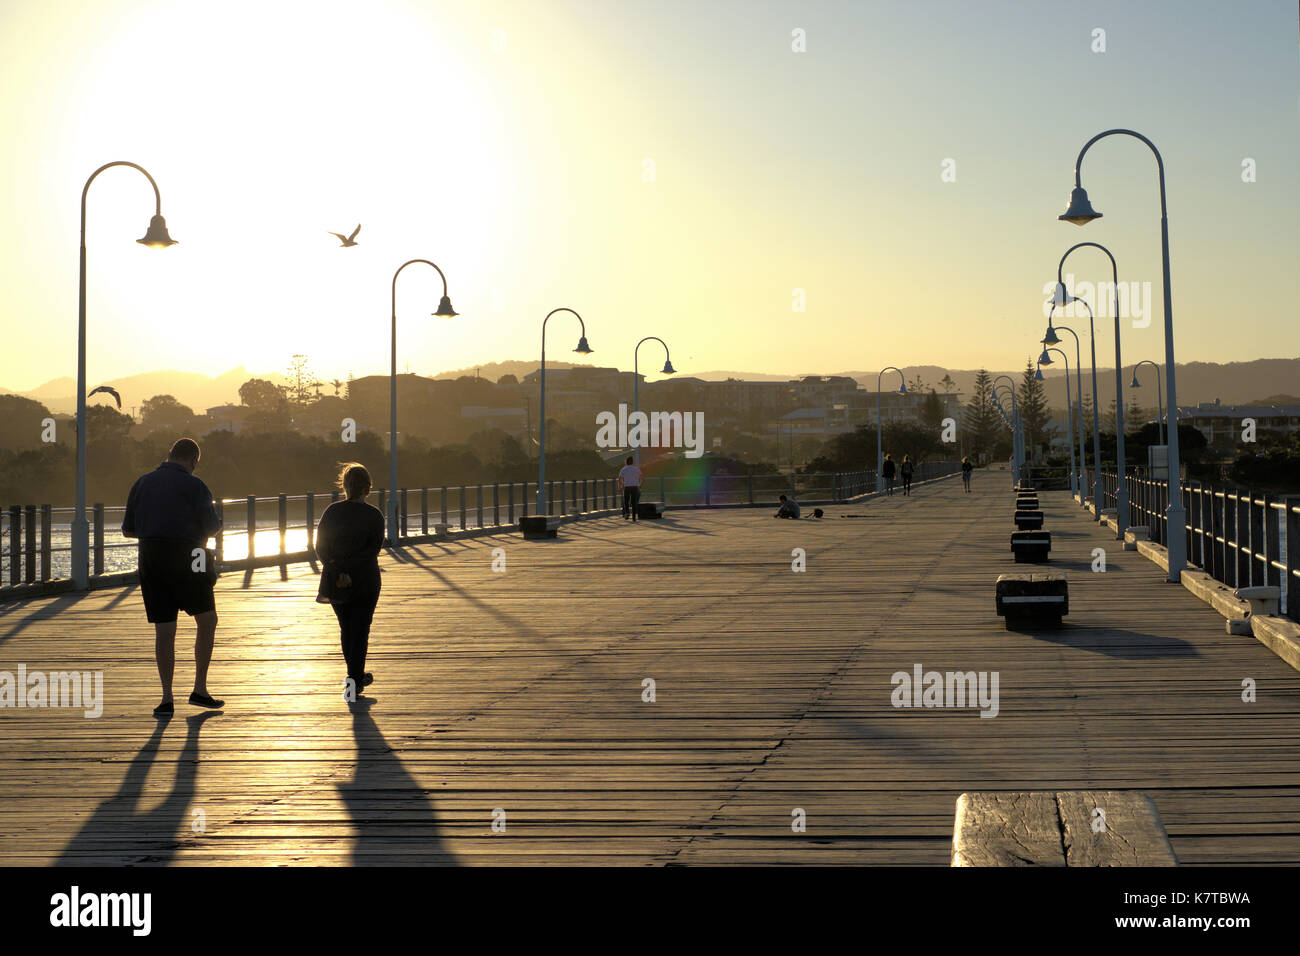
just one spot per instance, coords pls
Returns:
(789, 508)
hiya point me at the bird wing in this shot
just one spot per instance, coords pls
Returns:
(342, 238)
(109, 390)
(354, 232)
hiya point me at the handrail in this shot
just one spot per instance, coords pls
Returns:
(279, 529)
(1239, 537)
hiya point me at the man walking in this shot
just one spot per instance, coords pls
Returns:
(888, 472)
(629, 479)
(171, 513)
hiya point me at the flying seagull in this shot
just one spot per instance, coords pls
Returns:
(348, 240)
(111, 391)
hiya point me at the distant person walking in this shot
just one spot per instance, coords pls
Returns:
(908, 470)
(629, 481)
(888, 472)
(966, 469)
(789, 508)
(171, 513)
(348, 541)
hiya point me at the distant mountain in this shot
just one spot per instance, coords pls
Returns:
(1233, 383)
(199, 392)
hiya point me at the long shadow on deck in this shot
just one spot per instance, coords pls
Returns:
(1113, 642)
(152, 837)
(393, 816)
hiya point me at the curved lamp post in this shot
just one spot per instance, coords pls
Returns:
(1011, 424)
(445, 311)
(1080, 212)
(1160, 411)
(583, 348)
(155, 237)
(880, 448)
(1046, 359)
(636, 381)
(1017, 430)
(1061, 295)
(1051, 338)
(1096, 415)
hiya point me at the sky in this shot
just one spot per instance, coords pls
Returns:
(665, 168)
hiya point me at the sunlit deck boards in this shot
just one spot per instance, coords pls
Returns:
(522, 691)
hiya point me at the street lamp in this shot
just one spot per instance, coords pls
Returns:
(1097, 487)
(880, 448)
(1121, 493)
(1046, 359)
(445, 311)
(636, 382)
(1162, 430)
(1017, 429)
(584, 349)
(1051, 338)
(155, 237)
(1080, 212)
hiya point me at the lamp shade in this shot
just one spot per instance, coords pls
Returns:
(1038, 375)
(1051, 338)
(1080, 212)
(445, 311)
(1060, 296)
(583, 347)
(902, 389)
(1135, 383)
(1044, 359)
(156, 236)
(668, 368)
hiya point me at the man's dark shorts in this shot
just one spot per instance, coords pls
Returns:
(168, 582)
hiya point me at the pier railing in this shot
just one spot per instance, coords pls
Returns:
(1241, 538)
(35, 553)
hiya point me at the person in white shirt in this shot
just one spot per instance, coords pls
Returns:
(629, 480)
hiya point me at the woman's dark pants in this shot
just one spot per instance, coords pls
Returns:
(354, 632)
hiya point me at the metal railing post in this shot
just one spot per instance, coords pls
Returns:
(251, 504)
(30, 543)
(46, 523)
(424, 509)
(282, 521)
(99, 538)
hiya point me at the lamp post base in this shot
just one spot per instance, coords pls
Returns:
(393, 529)
(1176, 541)
(80, 554)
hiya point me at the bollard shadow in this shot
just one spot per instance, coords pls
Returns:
(668, 524)
(117, 828)
(394, 819)
(1116, 643)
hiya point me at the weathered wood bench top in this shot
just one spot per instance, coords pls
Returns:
(1063, 828)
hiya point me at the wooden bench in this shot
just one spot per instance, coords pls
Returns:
(1028, 520)
(650, 509)
(1063, 828)
(1039, 597)
(1031, 547)
(535, 527)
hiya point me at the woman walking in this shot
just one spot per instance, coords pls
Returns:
(348, 541)
(907, 470)
(966, 468)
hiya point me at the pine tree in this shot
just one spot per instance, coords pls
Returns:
(980, 420)
(1035, 416)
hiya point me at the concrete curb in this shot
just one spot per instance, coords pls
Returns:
(1281, 635)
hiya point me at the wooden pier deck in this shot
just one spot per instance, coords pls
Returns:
(522, 691)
